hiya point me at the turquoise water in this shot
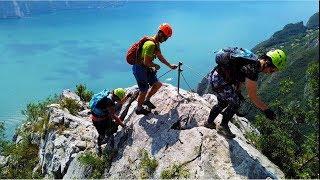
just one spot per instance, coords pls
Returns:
(44, 54)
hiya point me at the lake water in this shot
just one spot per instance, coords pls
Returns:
(44, 54)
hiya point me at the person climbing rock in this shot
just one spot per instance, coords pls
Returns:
(103, 107)
(141, 55)
(237, 67)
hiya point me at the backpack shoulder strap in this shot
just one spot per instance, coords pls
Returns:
(151, 38)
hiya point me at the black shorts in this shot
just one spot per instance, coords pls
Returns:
(106, 127)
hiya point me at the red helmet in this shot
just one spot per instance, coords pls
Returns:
(166, 29)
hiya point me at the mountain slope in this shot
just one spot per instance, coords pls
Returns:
(301, 45)
(294, 96)
(172, 144)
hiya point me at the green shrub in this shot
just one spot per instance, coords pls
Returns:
(175, 171)
(83, 92)
(36, 117)
(147, 165)
(294, 136)
(23, 158)
(253, 138)
(72, 105)
(97, 163)
(3, 141)
(35, 110)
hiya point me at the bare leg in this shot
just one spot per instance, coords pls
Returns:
(155, 87)
(141, 98)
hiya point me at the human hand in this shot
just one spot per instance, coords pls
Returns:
(152, 69)
(269, 114)
(173, 66)
(157, 66)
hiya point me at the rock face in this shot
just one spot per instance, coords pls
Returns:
(77, 170)
(66, 136)
(174, 136)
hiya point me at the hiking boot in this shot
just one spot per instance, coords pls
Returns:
(149, 104)
(225, 131)
(210, 125)
(142, 111)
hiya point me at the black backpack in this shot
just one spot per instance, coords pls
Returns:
(230, 60)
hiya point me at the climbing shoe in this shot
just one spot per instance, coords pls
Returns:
(225, 131)
(210, 125)
(149, 104)
(142, 111)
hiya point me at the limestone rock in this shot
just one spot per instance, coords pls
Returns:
(173, 135)
(77, 170)
(69, 136)
(176, 136)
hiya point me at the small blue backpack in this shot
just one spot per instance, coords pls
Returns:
(94, 101)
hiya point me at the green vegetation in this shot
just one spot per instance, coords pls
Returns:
(294, 136)
(313, 22)
(147, 165)
(34, 111)
(175, 172)
(23, 157)
(3, 142)
(37, 118)
(72, 105)
(294, 95)
(300, 54)
(84, 94)
(97, 163)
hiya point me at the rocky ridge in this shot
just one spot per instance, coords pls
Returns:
(175, 136)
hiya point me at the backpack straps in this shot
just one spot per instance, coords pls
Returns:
(138, 52)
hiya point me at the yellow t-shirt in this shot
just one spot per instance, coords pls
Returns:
(149, 49)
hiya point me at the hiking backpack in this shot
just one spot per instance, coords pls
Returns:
(94, 101)
(230, 60)
(234, 56)
(134, 51)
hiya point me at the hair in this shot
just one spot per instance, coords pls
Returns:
(268, 60)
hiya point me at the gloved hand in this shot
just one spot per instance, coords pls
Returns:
(269, 114)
